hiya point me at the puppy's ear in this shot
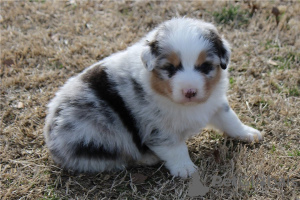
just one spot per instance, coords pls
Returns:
(225, 54)
(150, 54)
(222, 48)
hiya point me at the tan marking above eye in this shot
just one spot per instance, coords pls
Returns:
(174, 59)
(201, 58)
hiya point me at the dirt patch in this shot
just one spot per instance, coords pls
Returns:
(45, 43)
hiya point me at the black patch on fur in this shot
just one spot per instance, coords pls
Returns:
(223, 66)
(171, 69)
(138, 90)
(154, 48)
(92, 150)
(205, 67)
(218, 47)
(105, 89)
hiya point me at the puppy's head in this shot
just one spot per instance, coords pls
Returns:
(186, 58)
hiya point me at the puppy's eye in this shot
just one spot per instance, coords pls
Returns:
(171, 69)
(205, 68)
(168, 67)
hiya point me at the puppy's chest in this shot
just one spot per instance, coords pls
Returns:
(172, 120)
(188, 121)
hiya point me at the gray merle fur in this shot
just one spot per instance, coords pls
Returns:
(105, 90)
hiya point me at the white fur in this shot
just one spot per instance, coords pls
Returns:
(176, 117)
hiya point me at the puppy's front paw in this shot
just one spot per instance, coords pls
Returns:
(251, 134)
(182, 170)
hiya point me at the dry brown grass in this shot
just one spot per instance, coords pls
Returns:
(43, 44)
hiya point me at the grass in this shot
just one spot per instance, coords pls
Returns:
(287, 60)
(270, 44)
(43, 43)
(232, 14)
(231, 81)
(294, 92)
(273, 149)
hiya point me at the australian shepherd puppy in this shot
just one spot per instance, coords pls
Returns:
(140, 105)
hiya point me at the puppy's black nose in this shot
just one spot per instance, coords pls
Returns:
(190, 93)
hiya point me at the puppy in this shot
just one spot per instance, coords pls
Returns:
(140, 105)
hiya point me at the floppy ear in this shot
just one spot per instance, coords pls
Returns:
(149, 55)
(222, 48)
(225, 54)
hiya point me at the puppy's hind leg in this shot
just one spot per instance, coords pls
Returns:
(148, 158)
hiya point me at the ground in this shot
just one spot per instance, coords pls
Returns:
(43, 43)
